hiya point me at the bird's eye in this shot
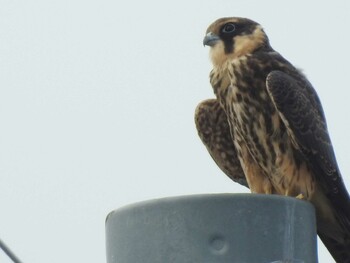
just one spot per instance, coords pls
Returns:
(229, 28)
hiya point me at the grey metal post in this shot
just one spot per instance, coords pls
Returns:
(213, 228)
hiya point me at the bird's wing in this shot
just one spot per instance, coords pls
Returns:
(214, 131)
(302, 114)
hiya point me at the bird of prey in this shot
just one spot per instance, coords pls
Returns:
(266, 128)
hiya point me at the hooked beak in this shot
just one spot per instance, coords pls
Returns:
(210, 39)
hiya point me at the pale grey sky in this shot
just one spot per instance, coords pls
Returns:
(97, 101)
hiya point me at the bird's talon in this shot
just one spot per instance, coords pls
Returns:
(300, 196)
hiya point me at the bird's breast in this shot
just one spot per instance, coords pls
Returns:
(257, 126)
(253, 119)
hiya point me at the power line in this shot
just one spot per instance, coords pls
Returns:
(9, 253)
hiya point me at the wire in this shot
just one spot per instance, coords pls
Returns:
(9, 253)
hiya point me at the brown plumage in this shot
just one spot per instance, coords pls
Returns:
(267, 130)
(213, 128)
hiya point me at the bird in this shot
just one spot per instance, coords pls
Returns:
(266, 128)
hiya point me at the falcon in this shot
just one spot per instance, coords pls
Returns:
(266, 128)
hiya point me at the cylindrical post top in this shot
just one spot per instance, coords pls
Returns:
(220, 228)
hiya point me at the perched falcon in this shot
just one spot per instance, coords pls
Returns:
(266, 128)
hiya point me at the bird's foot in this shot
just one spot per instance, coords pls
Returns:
(300, 196)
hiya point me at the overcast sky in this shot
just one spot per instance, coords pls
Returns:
(97, 101)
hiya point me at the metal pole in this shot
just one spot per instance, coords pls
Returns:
(221, 228)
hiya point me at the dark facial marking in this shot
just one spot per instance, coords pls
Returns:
(229, 30)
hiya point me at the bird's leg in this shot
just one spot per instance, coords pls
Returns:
(258, 182)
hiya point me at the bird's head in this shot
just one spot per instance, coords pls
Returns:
(233, 37)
